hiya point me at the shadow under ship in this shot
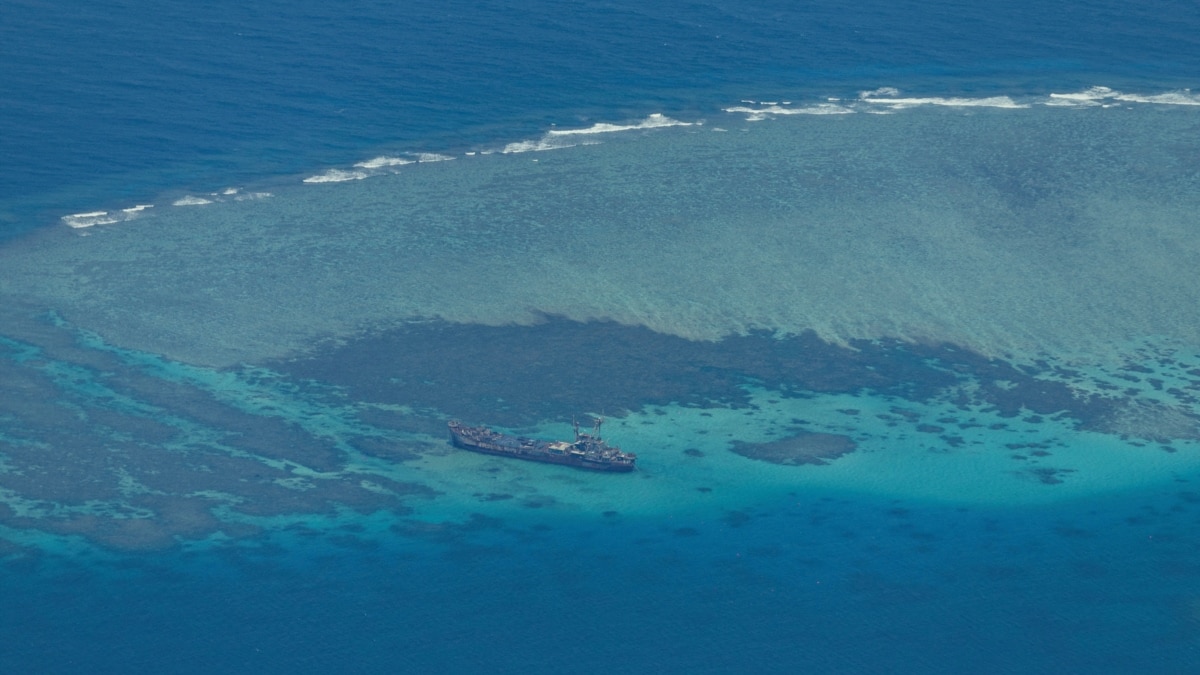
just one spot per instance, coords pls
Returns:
(588, 451)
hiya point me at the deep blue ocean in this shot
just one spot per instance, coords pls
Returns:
(104, 105)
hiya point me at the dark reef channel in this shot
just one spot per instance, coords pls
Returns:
(517, 376)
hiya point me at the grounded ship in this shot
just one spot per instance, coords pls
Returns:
(587, 452)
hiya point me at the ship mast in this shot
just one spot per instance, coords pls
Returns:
(595, 435)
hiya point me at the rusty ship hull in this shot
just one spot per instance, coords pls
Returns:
(587, 452)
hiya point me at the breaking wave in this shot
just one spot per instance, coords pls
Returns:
(882, 100)
(93, 218)
(557, 139)
(889, 99)
(336, 176)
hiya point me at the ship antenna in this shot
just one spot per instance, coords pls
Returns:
(599, 421)
(575, 425)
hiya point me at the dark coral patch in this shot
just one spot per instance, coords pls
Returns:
(736, 518)
(493, 497)
(1046, 475)
(522, 375)
(483, 373)
(799, 449)
(1069, 531)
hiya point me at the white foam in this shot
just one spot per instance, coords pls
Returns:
(1093, 96)
(370, 167)
(557, 139)
(93, 218)
(1183, 97)
(1105, 96)
(955, 102)
(251, 196)
(1090, 94)
(189, 200)
(653, 121)
(384, 162)
(336, 176)
(761, 113)
(80, 220)
(869, 102)
(881, 91)
(230, 191)
(543, 144)
(1055, 102)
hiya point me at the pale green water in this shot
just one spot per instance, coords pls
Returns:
(1011, 231)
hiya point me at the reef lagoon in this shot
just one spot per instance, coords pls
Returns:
(913, 379)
